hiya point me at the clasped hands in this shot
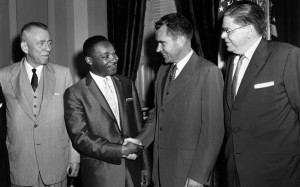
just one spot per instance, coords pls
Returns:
(131, 148)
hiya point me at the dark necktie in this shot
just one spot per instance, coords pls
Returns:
(34, 80)
(234, 87)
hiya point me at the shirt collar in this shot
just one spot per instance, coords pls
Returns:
(249, 53)
(180, 65)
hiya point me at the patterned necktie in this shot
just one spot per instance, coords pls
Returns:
(111, 100)
(234, 86)
(34, 80)
(173, 73)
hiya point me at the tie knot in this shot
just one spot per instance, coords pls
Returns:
(242, 57)
(173, 72)
(33, 70)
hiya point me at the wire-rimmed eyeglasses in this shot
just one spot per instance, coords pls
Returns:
(230, 31)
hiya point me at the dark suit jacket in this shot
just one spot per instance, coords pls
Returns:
(263, 125)
(4, 164)
(187, 124)
(95, 134)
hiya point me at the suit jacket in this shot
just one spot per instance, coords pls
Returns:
(36, 144)
(186, 124)
(4, 164)
(262, 124)
(95, 133)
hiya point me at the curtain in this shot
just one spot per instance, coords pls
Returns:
(287, 17)
(202, 15)
(125, 30)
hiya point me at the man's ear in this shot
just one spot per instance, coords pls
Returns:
(88, 60)
(181, 40)
(24, 47)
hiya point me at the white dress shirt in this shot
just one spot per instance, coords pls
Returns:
(248, 54)
(180, 65)
(29, 68)
(101, 85)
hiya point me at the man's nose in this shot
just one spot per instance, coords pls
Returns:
(158, 49)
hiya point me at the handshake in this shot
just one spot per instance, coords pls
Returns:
(131, 148)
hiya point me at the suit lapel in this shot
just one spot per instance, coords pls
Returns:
(21, 87)
(120, 94)
(49, 80)
(255, 65)
(96, 92)
(228, 82)
(184, 77)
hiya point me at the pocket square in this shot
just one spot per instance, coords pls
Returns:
(1, 104)
(129, 99)
(264, 85)
(56, 93)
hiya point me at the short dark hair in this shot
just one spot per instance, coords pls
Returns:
(28, 26)
(88, 45)
(246, 13)
(177, 25)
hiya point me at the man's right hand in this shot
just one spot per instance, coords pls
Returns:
(130, 148)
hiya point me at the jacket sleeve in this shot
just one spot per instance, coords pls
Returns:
(74, 156)
(291, 78)
(212, 131)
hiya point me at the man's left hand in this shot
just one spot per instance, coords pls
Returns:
(192, 183)
(145, 178)
(73, 169)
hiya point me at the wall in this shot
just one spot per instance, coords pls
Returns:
(70, 22)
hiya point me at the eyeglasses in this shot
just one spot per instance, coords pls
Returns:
(228, 31)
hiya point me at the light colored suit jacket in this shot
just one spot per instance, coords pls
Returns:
(36, 144)
(186, 124)
(95, 133)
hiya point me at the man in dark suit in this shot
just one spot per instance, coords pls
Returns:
(261, 103)
(101, 110)
(4, 164)
(186, 123)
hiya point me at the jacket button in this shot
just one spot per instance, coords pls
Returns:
(160, 128)
(235, 131)
(162, 110)
(35, 126)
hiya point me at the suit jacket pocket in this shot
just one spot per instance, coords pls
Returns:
(91, 162)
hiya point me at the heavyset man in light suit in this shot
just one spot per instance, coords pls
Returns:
(263, 121)
(39, 149)
(186, 123)
(101, 110)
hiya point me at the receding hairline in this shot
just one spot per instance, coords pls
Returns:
(24, 32)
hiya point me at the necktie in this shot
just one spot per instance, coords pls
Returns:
(111, 100)
(173, 73)
(234, 87)
(34, 80)
(172, 77)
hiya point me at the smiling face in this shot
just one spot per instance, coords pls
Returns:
(236, 39)
(37, 46)
(170, 48)
(103, 61)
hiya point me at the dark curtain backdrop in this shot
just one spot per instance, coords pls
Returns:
(287, 13)
(202, 14)
(125, 30)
